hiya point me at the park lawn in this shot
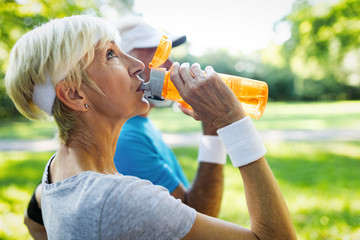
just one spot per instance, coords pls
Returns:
(278, 115)
(26, 129)
(319, 182)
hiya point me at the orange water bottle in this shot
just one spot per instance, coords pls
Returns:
(252, 94)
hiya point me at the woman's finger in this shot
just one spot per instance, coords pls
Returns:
(209, 70)
(175, 76)
(185, 74)
(197, 73)
(185, 110)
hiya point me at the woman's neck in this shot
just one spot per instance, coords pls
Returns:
(91, 147)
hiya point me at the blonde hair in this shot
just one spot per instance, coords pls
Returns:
(60, 50)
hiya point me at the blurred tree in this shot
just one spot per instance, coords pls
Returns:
(266, 65)
(324, 49)
(220, 59)
(277, 73)
(320, 61)
(18, 17)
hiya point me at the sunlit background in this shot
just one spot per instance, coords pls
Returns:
(308, 52)
(239, 26)
(304, 49)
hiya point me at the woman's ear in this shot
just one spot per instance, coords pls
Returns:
(72, 96)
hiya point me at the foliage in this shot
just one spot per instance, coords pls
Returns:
(320, 61)
(18, 17)
(279, 78)
(324, 49)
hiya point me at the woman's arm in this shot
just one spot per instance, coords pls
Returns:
(270, 218)
(214, 102)
(37, 230)
(34, 222)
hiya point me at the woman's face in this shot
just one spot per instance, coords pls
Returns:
(116, 74)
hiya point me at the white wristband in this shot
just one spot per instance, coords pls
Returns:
(242, 142)
(211, 150)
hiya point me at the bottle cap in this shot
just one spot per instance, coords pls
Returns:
(162, 53)
(157, 75)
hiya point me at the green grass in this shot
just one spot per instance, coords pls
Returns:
(319, 181)
(20, 173)
(26, 129)
(312, 116)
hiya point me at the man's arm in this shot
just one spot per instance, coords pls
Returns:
(141, 152)
(34, 221)
(205, 194)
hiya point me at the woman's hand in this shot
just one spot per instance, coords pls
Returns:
(211, 99)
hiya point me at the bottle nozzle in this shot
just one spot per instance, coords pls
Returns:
(145, 86)
(156, 83)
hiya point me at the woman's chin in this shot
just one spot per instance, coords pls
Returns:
(145, 106)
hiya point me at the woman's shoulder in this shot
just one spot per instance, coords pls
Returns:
(119, 186)
(94, 184)
(145, 210)
(100, 181)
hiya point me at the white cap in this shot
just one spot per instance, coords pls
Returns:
(135, 33)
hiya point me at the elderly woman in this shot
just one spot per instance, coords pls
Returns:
(73, 69)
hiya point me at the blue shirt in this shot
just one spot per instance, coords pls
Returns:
(142, 152)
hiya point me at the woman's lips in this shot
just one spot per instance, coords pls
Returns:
(139, 87)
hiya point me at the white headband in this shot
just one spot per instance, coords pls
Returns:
(44, 96)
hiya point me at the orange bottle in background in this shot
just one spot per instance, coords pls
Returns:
(252, 94)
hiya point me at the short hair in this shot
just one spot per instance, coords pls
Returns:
(60, 49)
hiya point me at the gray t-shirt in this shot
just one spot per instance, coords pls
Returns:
(97, 206)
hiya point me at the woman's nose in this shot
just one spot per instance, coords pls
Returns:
(135, 66)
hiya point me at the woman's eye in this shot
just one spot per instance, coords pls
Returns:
(110, 54)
